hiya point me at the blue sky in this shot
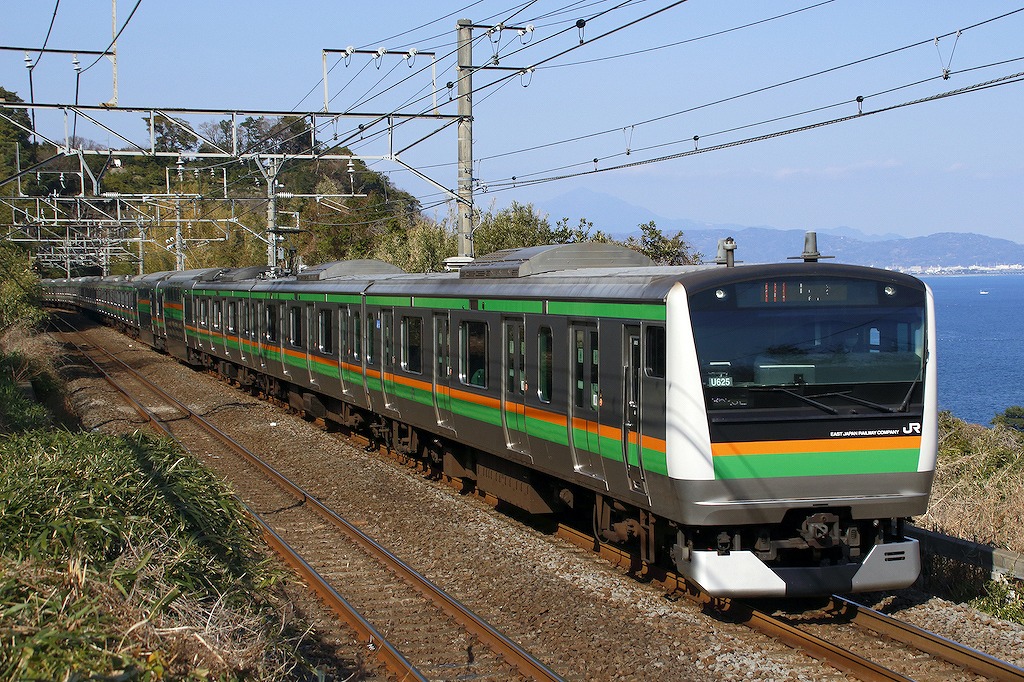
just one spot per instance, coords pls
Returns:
(723, 71)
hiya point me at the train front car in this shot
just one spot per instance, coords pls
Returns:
(801, 427)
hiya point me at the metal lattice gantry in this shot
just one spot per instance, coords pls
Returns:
(85, 229)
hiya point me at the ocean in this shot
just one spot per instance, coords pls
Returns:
(980, 327)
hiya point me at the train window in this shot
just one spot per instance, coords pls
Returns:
(217, 315)
(412, 344)
(343, 332)
(443, 370)
(473, 353)
(544, 371)
(271, 322)
(371, 337)
(389, 338)
(295, 326)
(357, 338)
(325, 331)
(586, 369)
(232, 316)
(577, 374)
(654, 362)
(204, 312)
(248, 313)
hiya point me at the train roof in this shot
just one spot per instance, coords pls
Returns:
(581, 271)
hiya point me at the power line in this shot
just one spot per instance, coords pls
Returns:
(749, 93)
(1004, 80)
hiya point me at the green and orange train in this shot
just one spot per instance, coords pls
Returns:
(764, 430)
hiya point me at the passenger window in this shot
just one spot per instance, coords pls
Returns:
(473, 353)
(232, 316)
(357, 338)
(654, 362)
(295, 326)
(412, 345)
(371, 337)
(343, 341)
(325, 326)
(217, 314)
(271, 323)
(544, 371)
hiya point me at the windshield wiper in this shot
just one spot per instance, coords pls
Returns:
(862, 401)
(910, 392)
(810, 401)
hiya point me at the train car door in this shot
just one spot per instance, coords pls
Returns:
(371, 358)
(387, 359)
(242, 329)
(631, 373)
(314, 340)
(513, 388)
(266, 333)
(442, 373)
(585, 401)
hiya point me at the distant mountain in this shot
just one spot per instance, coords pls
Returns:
(764, 244)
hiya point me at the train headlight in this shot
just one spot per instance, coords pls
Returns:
(720, 294)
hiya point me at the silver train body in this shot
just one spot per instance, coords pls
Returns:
(764, 430)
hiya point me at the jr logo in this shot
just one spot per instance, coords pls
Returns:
(912, 427)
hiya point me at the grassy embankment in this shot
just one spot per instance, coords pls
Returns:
(978, 494)
(122, 559)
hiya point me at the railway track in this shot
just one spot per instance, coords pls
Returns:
(830, 634)
(414, 628)
(853, 638)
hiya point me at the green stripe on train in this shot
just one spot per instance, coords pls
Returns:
(627, 311)
(791, 465)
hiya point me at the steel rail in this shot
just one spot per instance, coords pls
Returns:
(837, 657)
(385, 651)
(846, 661)
(928, 642)
(515, 655)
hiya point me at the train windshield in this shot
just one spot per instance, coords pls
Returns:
(810, 343)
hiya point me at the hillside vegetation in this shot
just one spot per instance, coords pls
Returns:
(120, 557)
(978, 493)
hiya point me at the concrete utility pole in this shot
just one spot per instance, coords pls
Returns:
(113, 49)
(465, 188)
(179, 242)
(271, 175)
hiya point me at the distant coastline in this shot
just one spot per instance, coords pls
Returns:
(936, 270)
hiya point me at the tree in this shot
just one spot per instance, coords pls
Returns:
(19, 291)
(1012, 418)
(13, 135)
(516, 226)
(563, 234)
(171, 134)
(661, 249)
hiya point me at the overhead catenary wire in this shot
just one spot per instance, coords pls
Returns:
(755, 91)
(520, 182)
(618, 128)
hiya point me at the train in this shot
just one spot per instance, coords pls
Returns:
(763, 430)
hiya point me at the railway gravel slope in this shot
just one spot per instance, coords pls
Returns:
(572, 611)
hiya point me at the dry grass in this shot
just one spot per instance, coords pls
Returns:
(978, 493)
(121, 557)
(30, 353)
